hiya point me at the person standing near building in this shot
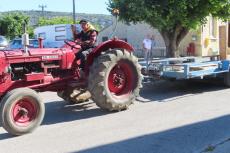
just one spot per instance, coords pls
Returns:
(153, 45)
(147, 46)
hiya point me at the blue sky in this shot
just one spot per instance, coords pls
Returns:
(82, 6)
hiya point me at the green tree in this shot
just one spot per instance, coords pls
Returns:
(55, 20)
(11, 25)
(173, 18)
(61, 20)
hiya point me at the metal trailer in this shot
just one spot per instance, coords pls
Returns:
(186, 68)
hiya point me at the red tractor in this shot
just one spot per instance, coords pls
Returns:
(112, 79)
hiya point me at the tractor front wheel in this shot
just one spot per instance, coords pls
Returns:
(21, 111)
(115, 80)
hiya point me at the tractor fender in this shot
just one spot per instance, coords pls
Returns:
(110, 44)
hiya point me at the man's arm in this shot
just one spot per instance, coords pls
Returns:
(74, 31)
(76, 35)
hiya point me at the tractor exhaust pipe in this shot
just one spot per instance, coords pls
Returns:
(40, 42)
(25, 39)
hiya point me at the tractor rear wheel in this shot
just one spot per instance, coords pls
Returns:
(21, 111)
(115, 80)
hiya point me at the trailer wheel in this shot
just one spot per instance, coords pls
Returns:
(21, 111)
(227, 79)
(115, 80)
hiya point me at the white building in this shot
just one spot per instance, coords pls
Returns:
(54, 35)
(134, 35)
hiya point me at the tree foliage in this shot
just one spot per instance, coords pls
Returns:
(173, 18)
(55, 20)
(60, 20)
(11, 25)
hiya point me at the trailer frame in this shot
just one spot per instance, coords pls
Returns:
(185, 68)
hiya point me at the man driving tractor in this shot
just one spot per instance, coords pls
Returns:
(87, 38)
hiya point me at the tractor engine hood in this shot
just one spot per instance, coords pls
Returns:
(2, 63)
(2, 54)
(32, 52)
(64, 55)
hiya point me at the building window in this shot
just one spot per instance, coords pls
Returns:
(42, 35)
(60, 38)
(59, 28)
(104, 39)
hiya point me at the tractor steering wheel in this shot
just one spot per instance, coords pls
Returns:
(72, 43)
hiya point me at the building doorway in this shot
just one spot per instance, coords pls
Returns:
(223, 41)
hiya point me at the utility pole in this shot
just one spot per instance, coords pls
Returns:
(43, 9)
(74, 13)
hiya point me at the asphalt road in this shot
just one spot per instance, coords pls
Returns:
(176, 117)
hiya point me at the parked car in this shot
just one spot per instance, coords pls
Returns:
(3, 42)
(17, 44)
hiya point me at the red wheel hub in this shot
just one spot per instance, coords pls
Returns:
(121, 79)
(24, 111)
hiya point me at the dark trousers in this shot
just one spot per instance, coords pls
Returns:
(82, 55)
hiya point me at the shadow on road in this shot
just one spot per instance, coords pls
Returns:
(4, 136)
(193, 138)
(58, 112)
(166, 91)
